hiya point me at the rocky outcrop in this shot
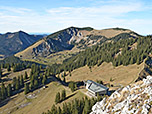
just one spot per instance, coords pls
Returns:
(132, 99)
(58, 42)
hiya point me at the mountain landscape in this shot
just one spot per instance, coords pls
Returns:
(71, 41)
(46, 74)
(75, 57)
(12, 43)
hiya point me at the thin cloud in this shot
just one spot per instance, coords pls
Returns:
(103, 14)
(12, 10)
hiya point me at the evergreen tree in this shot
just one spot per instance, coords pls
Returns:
(25, 76)
(99, 98)
(53, 110)
(28, 65)
(41, 78)
(36, 83)
(8, 67)
(132, 61)
(21, 81)
(26, 88)
(15, 68)
(9, 90)
(138, 60)
(17, 84)
(14, 83)
(2, 66)
(57, 99)
(65, 109)
(44, 80)
(59, 111)
(87, 107)
(3, 92)
(63, 95)
(0, 73)
(72, 86)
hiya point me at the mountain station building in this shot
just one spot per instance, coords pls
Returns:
(95, 88)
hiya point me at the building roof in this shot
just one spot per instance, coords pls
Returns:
(96, 87)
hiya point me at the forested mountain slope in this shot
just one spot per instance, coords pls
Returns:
(122, 52)
(80, 38)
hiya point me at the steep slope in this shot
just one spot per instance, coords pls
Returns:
(80, 38)
(132, 99)
(12, 43)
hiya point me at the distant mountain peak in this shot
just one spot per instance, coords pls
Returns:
(12, 43)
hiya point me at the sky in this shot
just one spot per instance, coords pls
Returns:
(48, 16)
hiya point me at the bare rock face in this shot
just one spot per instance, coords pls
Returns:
(132, 99)
(57, 42)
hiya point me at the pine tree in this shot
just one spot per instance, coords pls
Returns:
(57, 99)
(15, 68)
(99, 98)
(63, 95)
(26, 88)
(132, 61)
(17, 84)
(0, 73)
(14, 83)
(32, 84)
(65, 109)
(35, 83)
(9, 90)
(2, 66)
(25, 76)
(87, 107)
(138, 60)
(53, 110)
(44, 80)
(28, 65)
(41, 78)
(8, 67)
(72, 86)
(21, 81)
(3, 92)
(59, 111)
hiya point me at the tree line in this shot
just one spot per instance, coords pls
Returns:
(77, 106)
(24, 83)
(7, 90)
(37, 78)
(122, 52)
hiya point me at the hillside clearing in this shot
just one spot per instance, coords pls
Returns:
(120, 75)
(43, 101)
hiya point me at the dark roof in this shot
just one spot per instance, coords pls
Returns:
(96, 87)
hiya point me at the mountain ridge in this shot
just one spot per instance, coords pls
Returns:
(12, 43)
(68, 38)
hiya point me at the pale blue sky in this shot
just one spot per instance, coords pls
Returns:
(47, 16)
